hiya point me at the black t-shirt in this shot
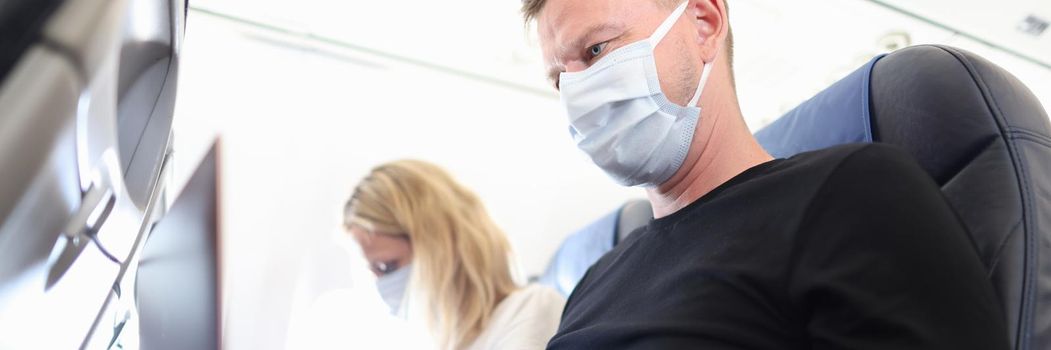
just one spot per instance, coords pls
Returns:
(851, 247)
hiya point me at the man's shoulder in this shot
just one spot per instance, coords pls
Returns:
(869, 175)
(850, 172)
(844, 155)
(860, 160)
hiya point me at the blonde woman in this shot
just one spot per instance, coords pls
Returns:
(425, 235)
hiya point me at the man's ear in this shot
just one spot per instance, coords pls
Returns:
(709, 17)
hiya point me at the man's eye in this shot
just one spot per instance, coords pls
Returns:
(597, 49)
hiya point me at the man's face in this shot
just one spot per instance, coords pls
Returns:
(575, 34)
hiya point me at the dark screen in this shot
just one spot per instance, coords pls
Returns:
(177, 288)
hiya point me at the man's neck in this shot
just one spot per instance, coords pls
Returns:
(729, 150)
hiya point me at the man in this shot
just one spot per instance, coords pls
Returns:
(851, 247)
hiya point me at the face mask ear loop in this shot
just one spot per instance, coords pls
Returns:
(663, 30)
(668, 23)
(700, 87)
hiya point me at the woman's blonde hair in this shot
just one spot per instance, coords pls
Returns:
(460, 258)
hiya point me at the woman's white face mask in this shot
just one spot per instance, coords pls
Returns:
(392, 288)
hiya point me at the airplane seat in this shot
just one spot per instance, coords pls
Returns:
(585, 246)
(634, 214)
(979, 133)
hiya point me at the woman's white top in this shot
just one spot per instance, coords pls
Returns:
(356, 319)
(524, 320)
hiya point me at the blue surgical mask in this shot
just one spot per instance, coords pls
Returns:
(392, 288)
(619, 116)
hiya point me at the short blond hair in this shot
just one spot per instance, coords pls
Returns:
(461, 259)
(531, 8)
